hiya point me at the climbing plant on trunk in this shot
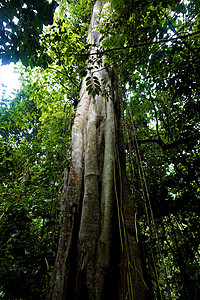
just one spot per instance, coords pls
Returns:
(98, 253)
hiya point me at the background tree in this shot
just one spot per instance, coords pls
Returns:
(35, 136)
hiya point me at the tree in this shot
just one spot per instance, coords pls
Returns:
(146, 27)
(91, 248)
(140, 93)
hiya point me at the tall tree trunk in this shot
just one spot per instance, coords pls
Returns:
(98, 256)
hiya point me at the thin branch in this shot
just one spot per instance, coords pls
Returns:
(148, 44)
(178, 142)
(65, 74)
(64, 86)
(172, 27)
(135, 46)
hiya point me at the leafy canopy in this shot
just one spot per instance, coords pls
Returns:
(21, 23)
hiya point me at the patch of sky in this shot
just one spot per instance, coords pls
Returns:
(170, 169)
(9, 80)
(15, 20)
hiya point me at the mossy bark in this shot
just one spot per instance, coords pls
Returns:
(93, 261)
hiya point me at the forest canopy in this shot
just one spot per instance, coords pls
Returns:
(154, 48)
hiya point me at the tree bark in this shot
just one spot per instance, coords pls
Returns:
(98, 255)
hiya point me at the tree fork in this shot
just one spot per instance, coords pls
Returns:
(90, 262)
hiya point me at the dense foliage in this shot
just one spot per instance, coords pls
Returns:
(35, 136)
(154, 47)
(21, 22)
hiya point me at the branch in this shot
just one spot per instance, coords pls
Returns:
(178, 142)
(65, 74)
(133, 46)
(172, 27)
(181, 141)
(148, 44)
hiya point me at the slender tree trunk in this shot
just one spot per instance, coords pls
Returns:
(98, 256)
